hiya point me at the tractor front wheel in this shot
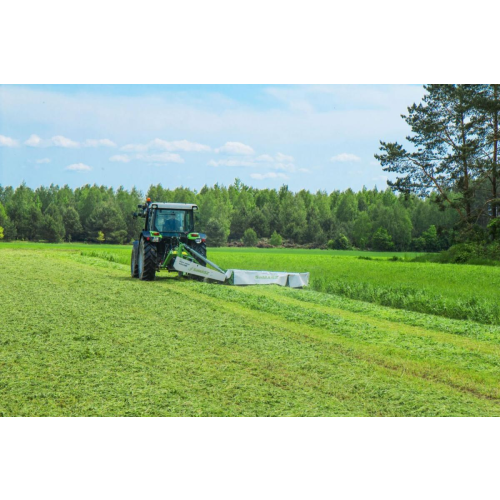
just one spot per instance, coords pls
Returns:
(146, 262)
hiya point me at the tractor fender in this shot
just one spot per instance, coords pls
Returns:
(147, 234)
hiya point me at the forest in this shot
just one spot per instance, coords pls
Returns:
(368, 219)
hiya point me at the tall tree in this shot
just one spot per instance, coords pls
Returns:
(445, 149)
(487, 114)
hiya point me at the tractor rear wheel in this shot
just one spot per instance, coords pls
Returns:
(146, 262)
(134, 268)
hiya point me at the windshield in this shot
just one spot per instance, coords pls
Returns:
(167, 221)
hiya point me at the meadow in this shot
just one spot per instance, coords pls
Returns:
(78, 336)
(384, 278)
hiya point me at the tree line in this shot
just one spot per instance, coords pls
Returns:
(368, 219)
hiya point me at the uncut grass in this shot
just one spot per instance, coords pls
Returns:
(79, 337)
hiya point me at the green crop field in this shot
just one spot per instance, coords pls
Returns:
(78, 336)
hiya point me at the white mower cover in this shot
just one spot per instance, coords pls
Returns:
(292, 280)
(239, 277)
(186, 266)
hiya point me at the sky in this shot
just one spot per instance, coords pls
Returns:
(315, 137)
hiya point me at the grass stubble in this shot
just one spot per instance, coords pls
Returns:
(78, 336)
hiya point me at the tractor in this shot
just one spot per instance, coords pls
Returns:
(169, 242)
(168, 232)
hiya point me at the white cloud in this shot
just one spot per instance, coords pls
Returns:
(60, 141)
(287, 167)
(163, 158)
(8, 142)
(63, 142)
(78, 167)
(235, 148)
(151, 158)
(181, 145)
(120, 158)
(43, 160)
(161, 145)
(231, 163)
(304, 170)
(95, 143)
(33, 141)
(265, 158)
(269, 175)
(160, 158)
(345, 158)
(135, 147)
(280, 157)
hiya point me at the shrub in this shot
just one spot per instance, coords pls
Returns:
(341, 242)
(250, 237)
(276, 240)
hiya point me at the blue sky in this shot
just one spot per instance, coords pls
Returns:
(312, 137)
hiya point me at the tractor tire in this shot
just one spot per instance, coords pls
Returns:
(134, 269)
(202, 249)
(146, 262)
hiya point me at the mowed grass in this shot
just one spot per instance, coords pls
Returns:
(449, 290)
(78, 336)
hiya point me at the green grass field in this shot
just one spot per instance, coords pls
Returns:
(78, 336)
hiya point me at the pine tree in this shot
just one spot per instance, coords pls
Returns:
(444, 149)
(487, 118)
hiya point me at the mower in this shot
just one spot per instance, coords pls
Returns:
(169, 242)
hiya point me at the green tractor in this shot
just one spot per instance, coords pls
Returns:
(169, 242)
(168, 233)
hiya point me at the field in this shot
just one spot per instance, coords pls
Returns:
(78, 336)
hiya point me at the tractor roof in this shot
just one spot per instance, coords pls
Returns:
(175, 206)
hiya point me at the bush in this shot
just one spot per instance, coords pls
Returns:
(250, 237)
(341, 242)
(276, 240)
(467, 252)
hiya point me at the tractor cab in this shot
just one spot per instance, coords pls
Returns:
(171, 218)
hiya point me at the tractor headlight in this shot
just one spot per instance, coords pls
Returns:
(197, 241)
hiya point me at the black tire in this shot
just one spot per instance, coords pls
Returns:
(146, 262)
(202, 250)
(134, 269)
